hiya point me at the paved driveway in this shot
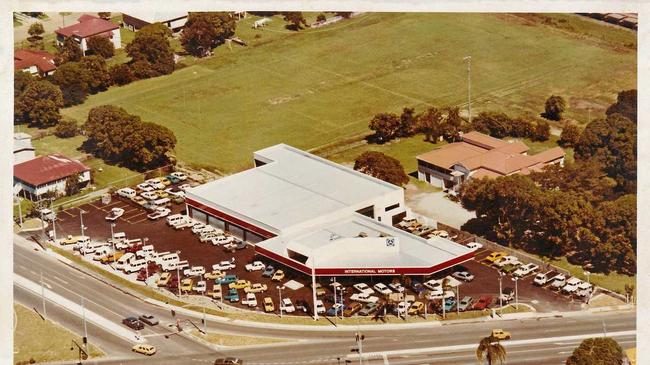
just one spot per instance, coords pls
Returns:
(438, 207)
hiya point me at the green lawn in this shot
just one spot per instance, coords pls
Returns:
(314, 87)
(44, 341)
(612, 281)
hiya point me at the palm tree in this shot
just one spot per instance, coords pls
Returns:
(491, 350)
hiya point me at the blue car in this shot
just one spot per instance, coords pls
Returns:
(417, 287)
(226, 279)
(173, 179)
(268, 271)
(449, 303)
(336, 309)
(233, 295)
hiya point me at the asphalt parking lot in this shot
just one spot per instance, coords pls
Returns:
(134, 224)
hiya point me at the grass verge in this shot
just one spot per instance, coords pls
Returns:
(44, 341)
(233, 340)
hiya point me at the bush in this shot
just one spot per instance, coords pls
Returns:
(554, 107)
(541, 132)
(570, 135)
(121, 75)
(101, 46)
(321, 17)
(66, 128)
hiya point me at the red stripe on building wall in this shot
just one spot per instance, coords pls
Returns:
(230, 219)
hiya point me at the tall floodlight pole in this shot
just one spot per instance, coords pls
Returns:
(43, 295)
(280, 296)
(500, 290)
(468, 59)
(313, 285)
(81, 217)
(83, 315)
(516, 279)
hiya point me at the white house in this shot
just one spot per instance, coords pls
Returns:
(23, 149)
(48, 174)
(90, 26)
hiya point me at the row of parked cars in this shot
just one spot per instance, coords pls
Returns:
(509, 264)
(417, 228)
(158, 193)
(559, 282)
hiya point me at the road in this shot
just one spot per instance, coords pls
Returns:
(318, 345)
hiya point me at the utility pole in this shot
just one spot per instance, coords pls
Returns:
(313, 285)
(516, 279)
(335, 288)
(83, 315)
(500, 290)
(457, 301)
(81, 217)
(280, 295)
(53, 221)
(468, 59)
(43, 295)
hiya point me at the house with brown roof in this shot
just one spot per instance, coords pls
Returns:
(45, 175)
(90, 26)
(479, 155)
(36, 62)
(135, 20)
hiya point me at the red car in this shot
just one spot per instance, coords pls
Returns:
(134, 248)
(483, 302)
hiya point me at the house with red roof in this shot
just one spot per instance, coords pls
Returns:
(90, 26)
(479, 155)
(36, 62)
(45, 175)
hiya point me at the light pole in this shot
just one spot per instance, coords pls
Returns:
(43, 295)
(178, 277)
(500, 290)
(457, 302)
(587, 273)
(313, 285)
(516, 279)
(83, 316)
(81, 217)
(342, 290)
(468, 59)
(280, 296)
(113, 237)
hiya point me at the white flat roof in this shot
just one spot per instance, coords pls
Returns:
(292, 187)
(156, 16)
(338, 244)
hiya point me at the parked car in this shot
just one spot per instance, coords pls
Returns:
(149, 319)
(240, 284)
(463, 275)
(218, 239)
(216, 293)
(558, 281)
(287, 306)
(335, 310)
(571, 285)
(397, 287)
(449, 304)
(144, 187)
(233, 296)
(320, 307)
(278, 275)
(465, 303)
(483, 302)
(228, 279)
(268, 271)
(268, 304)
(474, 246)
(224, 265)
(172, 179)
(187, 284)
(255, 288)
(363, 288)
(506, 260)
(254, 266)
(200, 287)
(139, 200)
(160, 212)
(155, 183)
(133, 323)
(127, 193)
(584, 289)
(115, 214)
(401, 308)
(352, 309)
(507, 295)
(543, 278)
(364, 297)
(417, 287)
(194, 271)
(228, 361)
(235, 245)
(149, 195)
(382, 289)
(500, 334)
(164, 278)
(525, 270)
(368, 309)
(144, 349)
(250, 300)
(433, 285)
(214, 274)
(179, 175)
(494, 256)
(416, 308)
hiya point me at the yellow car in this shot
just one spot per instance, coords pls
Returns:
(165, 181)
(164, 278)
(161, 194)
(139, 200)
(111, 257)
(500, 334)
(416, 308)
(144, 349)
(186, 284)
(215, 274)
(239, 284)
(278, 275)
(70, 240)
(495, 256)
(268, 305)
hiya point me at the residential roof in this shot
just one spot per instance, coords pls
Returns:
(25, 58)
(338, 244)
(292, 187)
(88, 26)
(479, 153)
(45, 169)
(156, 16)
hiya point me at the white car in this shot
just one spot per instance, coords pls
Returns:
(402, 307)
(474, 246)
(382, 289)
(396, 287)
(179, 175)
(363, 288)
(198, 227)
(160, 212)
(433, 285)
(558, 281)
(364, 298)
(507, 260)
(149, 195)
(320, 307)
(525, 270)
(463, 275)
(145, 187)
(287, 306)
(175, 192)
(584, 289)
(224, 265)
(200, 287)
(571, 285)
(255, 266)
(115, 213)
(194, 271)
(250, 300)
(127, 193)
(208, 236)
(156, 184)
(219, 240)
(184, 187)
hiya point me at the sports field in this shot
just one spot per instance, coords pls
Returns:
(318, 86)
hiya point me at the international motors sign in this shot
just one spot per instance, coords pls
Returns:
(369, 271)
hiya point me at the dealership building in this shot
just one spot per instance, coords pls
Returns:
(320, 218)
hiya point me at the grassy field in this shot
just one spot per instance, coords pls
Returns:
(314, 87)
(44, 341)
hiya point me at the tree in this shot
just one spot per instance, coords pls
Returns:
(101, 46)
(35, 32)
(151, 52)
(521, 128)
(72, 80)
(72, 184)
(121, 74)
(453, 124)
(407, 123)
(542, 131)
(495, 124)
(570, 135)
(554, 107)
(95, 73)
(612, 143)
(295, 19)
(584, 178)
(625, 105)
(63, 15)
(386, 126)
(21, 80)
(431, 124)
(69, 51)
(597, 351)
(321, 17)
(383, 167)
(39, 104)
(204, 31)
(66, 128)
(106, 15)
(489, 349)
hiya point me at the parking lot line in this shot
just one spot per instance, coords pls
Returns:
(131, 210)
(138, 221)
(68, 213)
